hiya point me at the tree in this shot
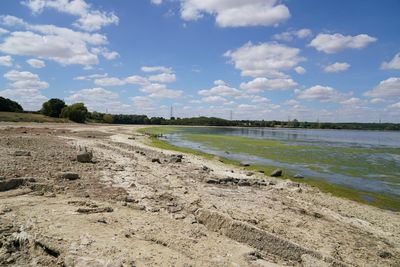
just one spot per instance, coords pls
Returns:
(53, 107)
(108, 118)
(76, 112)
(9, 105)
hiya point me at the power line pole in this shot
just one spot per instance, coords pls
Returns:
(171, 112)
(230, 115)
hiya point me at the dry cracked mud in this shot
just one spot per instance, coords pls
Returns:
(134, 205)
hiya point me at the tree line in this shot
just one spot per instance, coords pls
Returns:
(78, 112)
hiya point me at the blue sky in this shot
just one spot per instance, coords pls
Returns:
(262, 59)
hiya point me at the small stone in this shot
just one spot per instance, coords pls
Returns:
(84, 157)
(385, 255)
(68, 176)
(212, 181)
(175, 159)
(245, 164)
(156, 160)
(276, 173)
(22, 153)
(244, 182)
(249, 173)
(298, 176)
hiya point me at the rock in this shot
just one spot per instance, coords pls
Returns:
(84, 157)
(244, 182)
(212, 181)
(249, 173)
(22, 153)
(2, 178)
(131, 138)
(68, 176)
(245, 164)
(276, 173)
(156, 160)
(94, 210)
(385, 255)
(175, 159)
(298, 176)
(13, 183)
(175, 209)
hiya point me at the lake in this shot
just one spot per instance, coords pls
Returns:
(368, 161)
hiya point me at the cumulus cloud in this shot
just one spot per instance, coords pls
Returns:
(394, 64)
(336, 67)
(163, 78)
(36, 63)
(261, 84)
(156, 2)
(161, 69)
(113, 81)
(89, 18)
(156, 90)
(90, 77)
(354, 101)
(59, 44)
(265, 59)
(99, 99)
(320, 93)
(3, 31)
(333, 43)
(25, 88)
(300, 70)
(220, 89)
(6, 61)
(237, 13)
(388, 88)
(290, 35)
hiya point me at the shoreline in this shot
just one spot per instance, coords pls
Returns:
(136, 203)
(381, 200)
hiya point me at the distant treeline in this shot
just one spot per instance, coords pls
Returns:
(78, 112)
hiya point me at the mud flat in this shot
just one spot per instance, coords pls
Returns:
(129, 204)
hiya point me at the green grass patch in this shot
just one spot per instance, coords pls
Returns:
(28, 117)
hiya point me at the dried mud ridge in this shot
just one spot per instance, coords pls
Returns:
(94, 196)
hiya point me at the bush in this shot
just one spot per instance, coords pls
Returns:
(107, 118)
(9, 105)
(53, 107)
(76, 112)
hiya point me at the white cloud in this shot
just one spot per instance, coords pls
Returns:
(89, 19)
(394, 64)
(110, 55)
(290, 35)
(156, 90)
(320, 93)
(156, 69)
(90, 77)
(142, 102)
(292, 102)
(25, 89)
(388, 88)
(3, 31)
(236, 13)
(62, 45)
(156, 2)
(260, 84)
(396, 105)
(36, 63)
(98, 99)
(113, 81)
(333, 43)
(377, 100)
(337, 67)
(300, 70)
(214, 99)
(265, 59)
(163, 78)
(221, 89)
(6, 61)
(354, 101)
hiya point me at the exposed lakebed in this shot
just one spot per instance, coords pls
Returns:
(366, 161)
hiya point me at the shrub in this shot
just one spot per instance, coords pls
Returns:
(108, 118)
(53, 107)
(9, 105)
(76, 112)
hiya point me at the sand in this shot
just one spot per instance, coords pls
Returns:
(135, 205)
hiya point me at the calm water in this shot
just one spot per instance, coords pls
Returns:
(373, 165)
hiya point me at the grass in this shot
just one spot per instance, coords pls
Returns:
(27, 117)
(277, 150)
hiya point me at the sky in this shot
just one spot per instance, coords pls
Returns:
(312, 60)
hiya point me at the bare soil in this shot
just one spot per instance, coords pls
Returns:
(135, 205)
